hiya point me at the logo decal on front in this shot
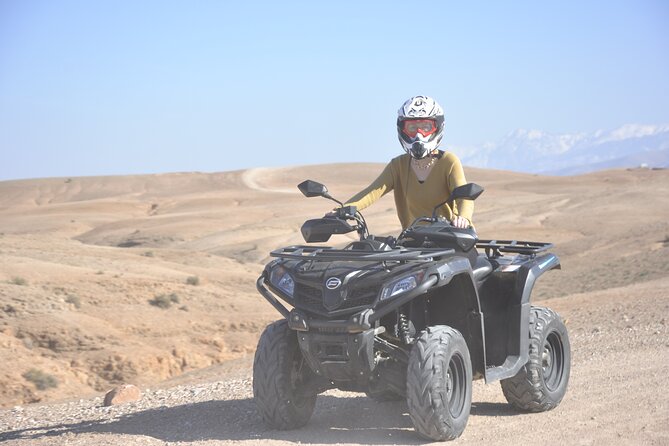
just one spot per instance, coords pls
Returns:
(332, 283)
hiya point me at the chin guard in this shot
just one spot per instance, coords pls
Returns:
(418, 150)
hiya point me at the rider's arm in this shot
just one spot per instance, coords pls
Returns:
(379, 187)
(456, 177)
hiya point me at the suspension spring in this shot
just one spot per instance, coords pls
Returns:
(403, 328)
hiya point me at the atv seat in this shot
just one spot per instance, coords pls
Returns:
(481, 268)
(367, 245)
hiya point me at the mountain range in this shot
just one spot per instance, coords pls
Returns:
(536, 151)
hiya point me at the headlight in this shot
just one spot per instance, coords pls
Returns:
(280, 278)
(402, 285)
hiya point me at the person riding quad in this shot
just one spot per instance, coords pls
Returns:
(424, 176)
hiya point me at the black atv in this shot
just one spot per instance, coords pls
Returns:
(418, 317)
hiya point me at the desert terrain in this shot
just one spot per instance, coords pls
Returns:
(150, 280)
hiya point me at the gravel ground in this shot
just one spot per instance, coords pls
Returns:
(618, 394)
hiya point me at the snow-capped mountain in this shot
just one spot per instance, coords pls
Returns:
(536, 151)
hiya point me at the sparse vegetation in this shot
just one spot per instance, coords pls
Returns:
(193, 280)
(100, 272)
(164, 300)
(16, 280)
(27, 342)
(74, 300)
(9, 309)
(148, 254)
(40, 379)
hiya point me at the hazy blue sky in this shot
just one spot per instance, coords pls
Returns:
(117, 87)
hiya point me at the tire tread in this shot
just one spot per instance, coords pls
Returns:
(278, 404)
(425, 383)
(526, 390)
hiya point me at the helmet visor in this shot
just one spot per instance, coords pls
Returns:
(426, 127)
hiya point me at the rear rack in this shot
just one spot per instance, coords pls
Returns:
(495, 248)
(326, 254)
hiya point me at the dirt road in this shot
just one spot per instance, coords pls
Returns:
(618, 394)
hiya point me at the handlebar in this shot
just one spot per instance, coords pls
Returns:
(423, 219)
(351, 213)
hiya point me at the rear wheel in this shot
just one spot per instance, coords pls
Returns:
(280, 374)
(542, 383)
(439, 383)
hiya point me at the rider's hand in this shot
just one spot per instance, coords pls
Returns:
(460, 222)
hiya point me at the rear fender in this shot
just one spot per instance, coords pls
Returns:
(516, 328)
(534, 269)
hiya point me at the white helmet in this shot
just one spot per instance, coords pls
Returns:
(420, 125)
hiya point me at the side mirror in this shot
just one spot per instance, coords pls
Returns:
(469, 191)
(312, 189)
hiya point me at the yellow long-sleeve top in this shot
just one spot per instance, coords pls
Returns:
(414, 199)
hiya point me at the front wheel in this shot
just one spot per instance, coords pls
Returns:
(439, 383)
(280, 374)
(542, 383)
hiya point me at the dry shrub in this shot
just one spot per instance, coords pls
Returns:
(164, 300)
(18, 281)
(40, 379)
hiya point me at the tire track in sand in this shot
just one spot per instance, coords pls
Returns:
(250, 177)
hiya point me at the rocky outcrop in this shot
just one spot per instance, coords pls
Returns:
(125, 393)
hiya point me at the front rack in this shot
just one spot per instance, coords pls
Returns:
(326, 254)
(495, 248)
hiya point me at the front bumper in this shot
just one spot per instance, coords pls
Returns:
(358, 322)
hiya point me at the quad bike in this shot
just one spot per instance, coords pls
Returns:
(417, 317)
